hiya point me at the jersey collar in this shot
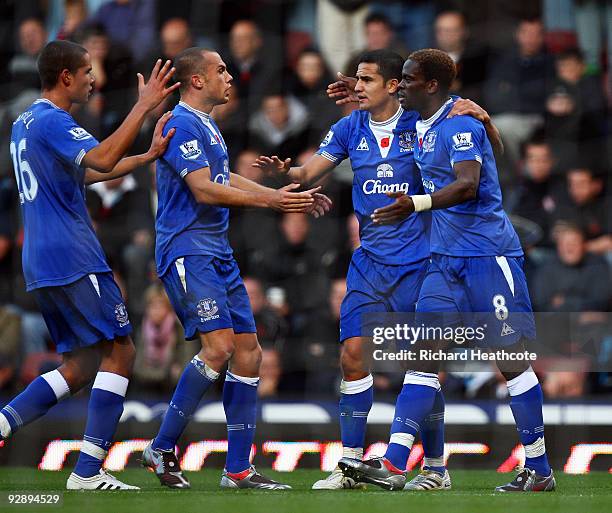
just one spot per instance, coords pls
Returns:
(428, 123)
(199, 113)
(44, 100)
(388, 121)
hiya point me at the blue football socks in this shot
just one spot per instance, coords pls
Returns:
(196, 379)
(432, 436)
(355, 404)
(240, 404)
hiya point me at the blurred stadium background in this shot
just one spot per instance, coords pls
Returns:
(541, 69)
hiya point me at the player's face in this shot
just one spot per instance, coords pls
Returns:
(82, 83)
(412, 90)
(370, 87)
(217, 79)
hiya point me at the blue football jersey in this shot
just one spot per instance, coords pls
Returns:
(479, 227)
(184, 226)
(374, 176)
(60, 246)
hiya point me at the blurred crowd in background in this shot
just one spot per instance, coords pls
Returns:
(541, 69)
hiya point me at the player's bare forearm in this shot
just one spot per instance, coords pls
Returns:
(244, 184)
(494, 138)
(464, 188)
(124, 167)
(206, 191)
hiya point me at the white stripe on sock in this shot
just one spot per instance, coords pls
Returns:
(241, 379)
(536, 449)
(5, 427)
(57, 383)
(405, 439)
(525, 381)
(433, 462)
(422, 378)
(204, 369)
(357, 386)
(93, 450)
(111, 382)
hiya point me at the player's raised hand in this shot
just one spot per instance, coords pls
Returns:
(343, 90)
(321, 206)
(397, 211)
(272, 164)
(465, 107)
(152, 93)
(285, 200)
(159, 142)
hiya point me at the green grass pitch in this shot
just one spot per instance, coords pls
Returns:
(472, 493)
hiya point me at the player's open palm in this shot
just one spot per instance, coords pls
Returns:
(321, 205)
(285, 200)
(159, 143)
(343, 90)
(153, 92)
(272, 164)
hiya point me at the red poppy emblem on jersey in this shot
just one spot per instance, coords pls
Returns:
(384, 142)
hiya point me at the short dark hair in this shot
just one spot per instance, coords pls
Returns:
(435, 65)
(376, 17)
(389, 63)
(57, 56)
(187, 63)
(571, 53)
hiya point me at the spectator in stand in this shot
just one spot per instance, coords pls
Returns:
(121, 213)
(339, 25)
(10, 347)
(23, 70)
(271, 328)
(515, 91)
(378, 35)
(158, 364)
(536, 196)
(131, 23)
(75, 14)
(280, 127)
(453, 36)
(113, 88)
(575, 280)
(246, 62)
(250, 251)
(575, 109)
(308, 85)
(321, 347)
(585, 205)
(270, 373)
(175, 36)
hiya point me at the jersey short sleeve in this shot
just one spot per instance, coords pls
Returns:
(334, 147)
(464, 139)
(185, 152)
(66, 138)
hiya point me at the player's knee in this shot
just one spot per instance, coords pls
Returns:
(352, 365)
(219, 353)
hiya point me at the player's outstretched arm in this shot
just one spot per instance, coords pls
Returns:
(206, 191)
(465, 107)
(464, 188)
(343, 90)
(320, 207)
(125, 166)
(311, 171)
(107, 154)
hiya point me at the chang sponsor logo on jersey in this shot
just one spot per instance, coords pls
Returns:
(78, 133)
(384, 171)
(378, 187)
(190, 150)
(462, 141)
(327, 139)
